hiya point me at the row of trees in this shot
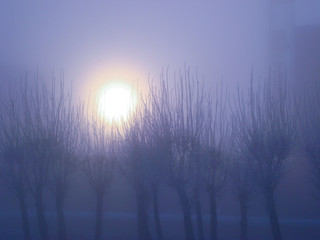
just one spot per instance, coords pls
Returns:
(39, 143)
(180, 134)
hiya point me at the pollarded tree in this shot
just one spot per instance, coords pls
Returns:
(68, 129)
(180, 110)
(12, 148)
(136, 164)
(309, 126)
(43, 108)
(267, 135)
(34, 128)
(198, 184)
(157, 148)
(241, 173)
(242, 187)
(214, 153)
(99, 145)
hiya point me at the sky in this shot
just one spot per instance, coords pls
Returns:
(307, 12)
(134, 39)
(99, 41)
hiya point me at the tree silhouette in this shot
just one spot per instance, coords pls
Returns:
(241, 172)
(242, 186)
(158, 151)
(309, 126)
(99, 153)
(12, 149)
(214, 153)
(35, 111)
(68, 122)
(180, 111)
(44, 110)
(39, 135)
(267, 135)
(137, 165)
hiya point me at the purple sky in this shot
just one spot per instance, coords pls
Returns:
(131, 39)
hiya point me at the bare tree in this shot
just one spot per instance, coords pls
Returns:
(309, 126)
(12, 147)
(243, 187)
(145, 147)
(157, 146)
(68, 128)
(241, 173)
(43, 109)
(180, 110)
(267, 134)
(137, 165)
(35, 111)
(198, 186)
(99, 144)
(214, 153)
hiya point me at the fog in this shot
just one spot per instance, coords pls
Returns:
(222, 43)
(139, 38)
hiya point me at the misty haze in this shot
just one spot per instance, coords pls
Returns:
(160, 120)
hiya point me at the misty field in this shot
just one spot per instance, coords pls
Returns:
(121, 226)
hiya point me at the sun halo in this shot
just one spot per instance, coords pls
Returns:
(116, 101)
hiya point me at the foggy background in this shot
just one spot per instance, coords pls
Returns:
(130, 41)
(134, 39)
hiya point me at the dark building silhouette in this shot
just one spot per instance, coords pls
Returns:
(306, 54)
(294, 47)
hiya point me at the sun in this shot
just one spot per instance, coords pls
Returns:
(116, 101)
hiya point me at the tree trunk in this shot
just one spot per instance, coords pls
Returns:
(43, 228)
(60, 217)
(273, 218)
(99, 215)
(142, 214)
(24, 216)
(156, 213)
(199, 214)
(186, 212)
(213, 216)
(244, 219)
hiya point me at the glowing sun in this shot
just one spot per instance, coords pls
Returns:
(116, 101)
